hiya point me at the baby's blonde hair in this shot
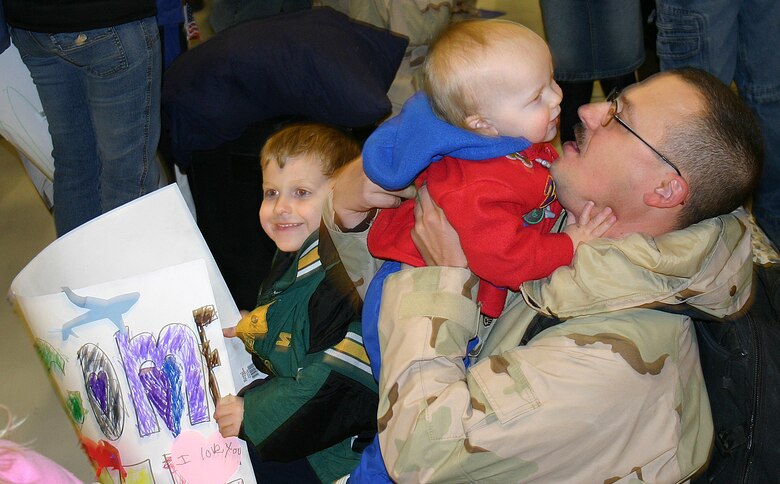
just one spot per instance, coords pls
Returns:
(458, 69)
(331, 147)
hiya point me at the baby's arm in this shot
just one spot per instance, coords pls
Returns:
(585, 227)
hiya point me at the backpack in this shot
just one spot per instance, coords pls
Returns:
(740, 359)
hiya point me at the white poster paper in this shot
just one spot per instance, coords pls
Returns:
(126, 312)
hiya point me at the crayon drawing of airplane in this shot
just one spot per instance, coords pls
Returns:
(111, 309)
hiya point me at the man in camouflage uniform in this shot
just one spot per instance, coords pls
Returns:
(580, 379)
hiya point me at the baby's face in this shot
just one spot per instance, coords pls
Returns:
(525, 101)
(293, 198)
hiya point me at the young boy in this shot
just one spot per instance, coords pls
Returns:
(317, 408)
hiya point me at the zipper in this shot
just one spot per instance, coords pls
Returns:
(756, 398)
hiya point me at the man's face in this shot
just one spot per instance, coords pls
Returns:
(609, 165)
(293, 198)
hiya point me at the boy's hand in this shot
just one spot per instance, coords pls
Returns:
(231, 331)
(585, 228)
(354, 195)
(229, 415)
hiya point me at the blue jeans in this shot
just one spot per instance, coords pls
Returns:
(100, 92)
(593, 39)
(736, 40)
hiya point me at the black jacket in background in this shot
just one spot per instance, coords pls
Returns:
(74, 15)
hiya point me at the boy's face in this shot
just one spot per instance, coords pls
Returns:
(293, 197)
(525, 99)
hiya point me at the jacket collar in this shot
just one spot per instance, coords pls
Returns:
(707, 265)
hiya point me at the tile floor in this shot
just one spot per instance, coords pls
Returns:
(26, 227)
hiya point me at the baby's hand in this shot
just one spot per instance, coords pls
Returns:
(585, 228)
(229, 415)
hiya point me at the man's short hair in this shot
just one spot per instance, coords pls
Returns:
(330, 146)
(719, 149)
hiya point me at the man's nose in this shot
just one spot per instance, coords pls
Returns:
(592, 114)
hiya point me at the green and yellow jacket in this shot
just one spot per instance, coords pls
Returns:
(319, 400)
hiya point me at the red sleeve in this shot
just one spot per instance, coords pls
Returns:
(485, 201)
(390, 236)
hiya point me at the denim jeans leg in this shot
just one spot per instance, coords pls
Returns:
(758, 80)
(736, 41)
(698, 33)
(125, 109)
(76, 163)
(100, 91)
(593, 39)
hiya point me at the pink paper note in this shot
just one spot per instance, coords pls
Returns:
(207, 460)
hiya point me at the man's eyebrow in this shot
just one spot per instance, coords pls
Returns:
(626, 106)
(625, 100)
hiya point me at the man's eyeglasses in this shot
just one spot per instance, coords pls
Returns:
(614, 112)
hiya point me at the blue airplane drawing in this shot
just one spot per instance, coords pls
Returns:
(111, 309)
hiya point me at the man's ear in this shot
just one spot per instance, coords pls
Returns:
(671, 192)
(478, 124)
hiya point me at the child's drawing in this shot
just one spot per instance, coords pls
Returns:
(98, 308)
(144, 353)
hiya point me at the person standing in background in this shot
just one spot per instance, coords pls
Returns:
(591, 41)
(736, 40)
(5, 36)
(97, 67)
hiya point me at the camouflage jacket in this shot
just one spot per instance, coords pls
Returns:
(613, 394)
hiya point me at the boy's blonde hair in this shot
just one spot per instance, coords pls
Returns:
(460, 65)
(331, 147)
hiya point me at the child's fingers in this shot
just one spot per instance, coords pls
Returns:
(229, 332)
(584, 218)
(602, 222)
(602, 216)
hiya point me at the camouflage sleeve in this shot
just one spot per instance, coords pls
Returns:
(596, 399)
(353, 250)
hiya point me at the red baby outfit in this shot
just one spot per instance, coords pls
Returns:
(502, 209)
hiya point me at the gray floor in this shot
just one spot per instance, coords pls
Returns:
(26, 227)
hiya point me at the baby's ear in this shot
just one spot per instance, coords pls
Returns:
(478, 124)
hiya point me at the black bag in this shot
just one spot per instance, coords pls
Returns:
(740, 359)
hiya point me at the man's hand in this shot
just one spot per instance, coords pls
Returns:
(435, 238)
(229, 415)
(354, 195)
(585, 228)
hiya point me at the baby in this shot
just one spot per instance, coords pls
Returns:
(480, 133)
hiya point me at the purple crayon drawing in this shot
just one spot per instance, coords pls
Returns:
(156, 372)
(102, 384)
(164, 391)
